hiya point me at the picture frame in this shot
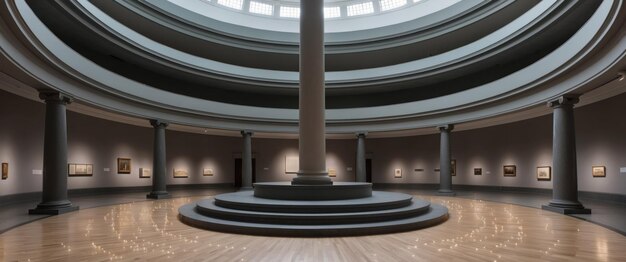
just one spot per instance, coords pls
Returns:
(292, 164)
(598, 171)
(397, 173)
(145, 173)
(79, 169)
(123, 165)
(544, 173)
(332, 172)
(180, 173)
(478, 171)
(5, 171)
(453, 167)
(207, 172)
(509, 170)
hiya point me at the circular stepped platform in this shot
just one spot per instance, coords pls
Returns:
(243, 212)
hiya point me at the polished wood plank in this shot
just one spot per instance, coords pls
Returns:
(150, 230)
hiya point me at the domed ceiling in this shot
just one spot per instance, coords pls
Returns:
(390, 65)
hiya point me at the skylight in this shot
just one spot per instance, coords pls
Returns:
(261, 8)
(235, 4)
(391, 4)
(332, 12)
(291, 12)
(361, 9)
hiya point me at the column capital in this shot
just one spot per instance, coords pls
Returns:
(158, 123)
(247, 133)
(361, 134)
(448, 127)
(54, 96)
(569, 100)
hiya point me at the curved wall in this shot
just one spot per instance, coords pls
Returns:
(526, 144)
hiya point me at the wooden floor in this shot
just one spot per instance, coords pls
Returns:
(149, 230)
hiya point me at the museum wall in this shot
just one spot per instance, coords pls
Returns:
(526, 144)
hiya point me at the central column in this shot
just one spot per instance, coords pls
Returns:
(445, 167)
(312, 142)
(361, 175)
(246, 181)
(159, 187)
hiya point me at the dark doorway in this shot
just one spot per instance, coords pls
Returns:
(368, 170)
(239, 171)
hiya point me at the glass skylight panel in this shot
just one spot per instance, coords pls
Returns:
(261, 8)
(236, 4)
(332, 12)
(291, 12)
(391, 4)
(361, 9)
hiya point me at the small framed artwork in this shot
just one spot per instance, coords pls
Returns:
(510, 170)
(207, 172)
(5, 171)
(332, 172)
(397, 173)
(180, 173)
(292, 164)
(598, 171)
(123, 166)
(478, 171)
(544, 173)
(145, 173)
(453, 167)
(80, 169)
(437, 170)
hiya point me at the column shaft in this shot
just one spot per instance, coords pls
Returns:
(445, 167)
(246, 183)
(361, 175)
(159, 187)
(312, 142)
(565, 180)
(54, 199)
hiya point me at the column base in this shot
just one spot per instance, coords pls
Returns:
(446, 193)
(49, 210)
(567, 210)
(245, 188)
(312, 179)
(158, 195)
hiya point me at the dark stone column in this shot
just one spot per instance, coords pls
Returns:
(360, 157)
(445, 167)
(54, 199)
(564, 179)
(159, 189)
(246, 160)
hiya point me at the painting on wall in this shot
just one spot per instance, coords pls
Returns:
(145, 173)
(123, 166)
(478, 171)
(180, 173)
(332, 172)
(544, 173)
(598, 171)
(292, 164)
(453, 167)
(5, 171)
(397, 173)
(80, 169)
(207, 172)
(510, 170)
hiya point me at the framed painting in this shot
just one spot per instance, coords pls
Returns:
(5, 171)
(80, 169)
(453, 167)
(598, 171)
(478, 171)
(397, 173)
(180, 173)
(332, 172)
(123, 166)
(544, 173)
(207, 172)
(145, 173)
(292, 164)
(509, 170)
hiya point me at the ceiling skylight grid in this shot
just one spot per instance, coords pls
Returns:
(261, 8)
(332, 12)
(391, 4)
(361, 9)
(235, 4)
(290, 12)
